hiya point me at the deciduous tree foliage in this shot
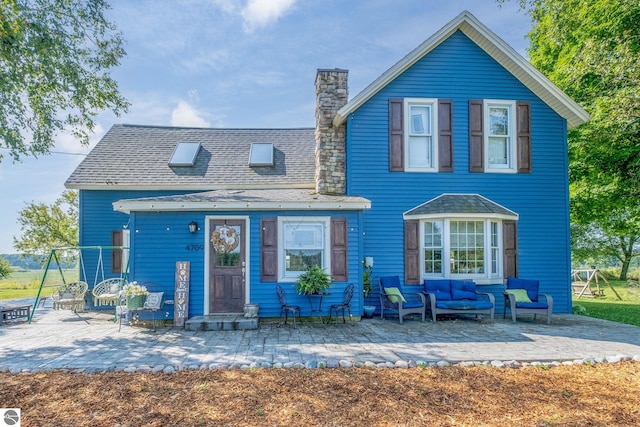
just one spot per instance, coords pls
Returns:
(591, 50)
(55, 58)
(46, 227)
(5, 268)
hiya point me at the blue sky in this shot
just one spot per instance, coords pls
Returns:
(243, 64)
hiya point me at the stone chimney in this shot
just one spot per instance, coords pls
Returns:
(331, 95)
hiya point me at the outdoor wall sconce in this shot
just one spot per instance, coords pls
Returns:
(368, 261)
(193, 227)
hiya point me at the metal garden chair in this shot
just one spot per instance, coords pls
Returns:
(345, 305)
(286, 308)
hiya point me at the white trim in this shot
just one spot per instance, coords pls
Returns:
(487, 276)
(433, 103)
(126, 241)
(512, 166)
(247, 256)
(160, 206)
(326, 223)
(494, 46)
(473, 216)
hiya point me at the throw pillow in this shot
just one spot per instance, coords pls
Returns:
(520, 294)
(394, 294)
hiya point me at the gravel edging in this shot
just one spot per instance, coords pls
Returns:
(332, 364)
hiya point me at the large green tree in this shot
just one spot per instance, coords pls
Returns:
(55, 58)
(591, 50)
(45, 227)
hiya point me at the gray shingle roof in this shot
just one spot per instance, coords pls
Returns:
(460, 204)
(136, 157)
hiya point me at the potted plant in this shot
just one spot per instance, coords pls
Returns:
(314, 281)
(135, 294)
(366, 289)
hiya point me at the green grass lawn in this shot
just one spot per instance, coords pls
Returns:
(25, 283)
(608, 307)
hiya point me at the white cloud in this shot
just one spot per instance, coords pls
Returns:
(205, 61)
(227, 6)
(67, 143)
(185, 115)
(258, 14)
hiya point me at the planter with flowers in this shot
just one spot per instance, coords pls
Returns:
(135, 295)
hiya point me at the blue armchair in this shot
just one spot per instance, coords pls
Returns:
(392, 298)
(521, 296)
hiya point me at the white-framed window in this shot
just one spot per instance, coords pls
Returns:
(500, 135)
(461, 248)
(303, 242)
(420, 134)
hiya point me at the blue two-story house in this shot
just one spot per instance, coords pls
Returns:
(452, 164)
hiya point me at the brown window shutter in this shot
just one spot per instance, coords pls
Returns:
(396, 135)
(509, 248)
(412, 252)
(269, 250)
(523, 118)
(339, 255)
(476, 136)
(116, 254)
(445, 136)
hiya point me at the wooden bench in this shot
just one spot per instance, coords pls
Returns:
(15, 313)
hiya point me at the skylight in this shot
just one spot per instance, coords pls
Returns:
(185, 154)
(261, 154)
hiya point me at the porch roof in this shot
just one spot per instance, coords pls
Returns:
(244, 200)
(461, 205)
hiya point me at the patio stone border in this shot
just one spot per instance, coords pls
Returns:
(333, 364)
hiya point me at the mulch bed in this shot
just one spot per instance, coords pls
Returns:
(599, 395)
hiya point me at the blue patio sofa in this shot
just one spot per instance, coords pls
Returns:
(457, 297)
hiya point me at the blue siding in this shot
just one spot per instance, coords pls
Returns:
(459, 70)
(160, 239)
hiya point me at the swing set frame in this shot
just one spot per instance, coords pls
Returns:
(53, 257)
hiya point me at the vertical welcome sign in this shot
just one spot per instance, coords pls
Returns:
(181, 307)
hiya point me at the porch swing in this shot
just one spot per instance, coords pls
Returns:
(71, 295)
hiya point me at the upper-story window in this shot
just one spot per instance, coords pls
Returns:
(421, 134)
(500, 138)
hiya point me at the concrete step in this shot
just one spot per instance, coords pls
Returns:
(229, 322)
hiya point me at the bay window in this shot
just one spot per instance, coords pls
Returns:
(456, 247)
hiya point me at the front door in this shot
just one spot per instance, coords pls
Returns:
(226, 266)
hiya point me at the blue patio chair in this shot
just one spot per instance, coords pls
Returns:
(521, 296)
(392, 298)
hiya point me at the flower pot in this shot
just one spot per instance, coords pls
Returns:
(135, 302)
(368, 311)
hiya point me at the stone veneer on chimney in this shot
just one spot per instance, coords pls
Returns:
(331, 95)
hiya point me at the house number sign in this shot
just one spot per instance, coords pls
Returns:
(181, 304)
